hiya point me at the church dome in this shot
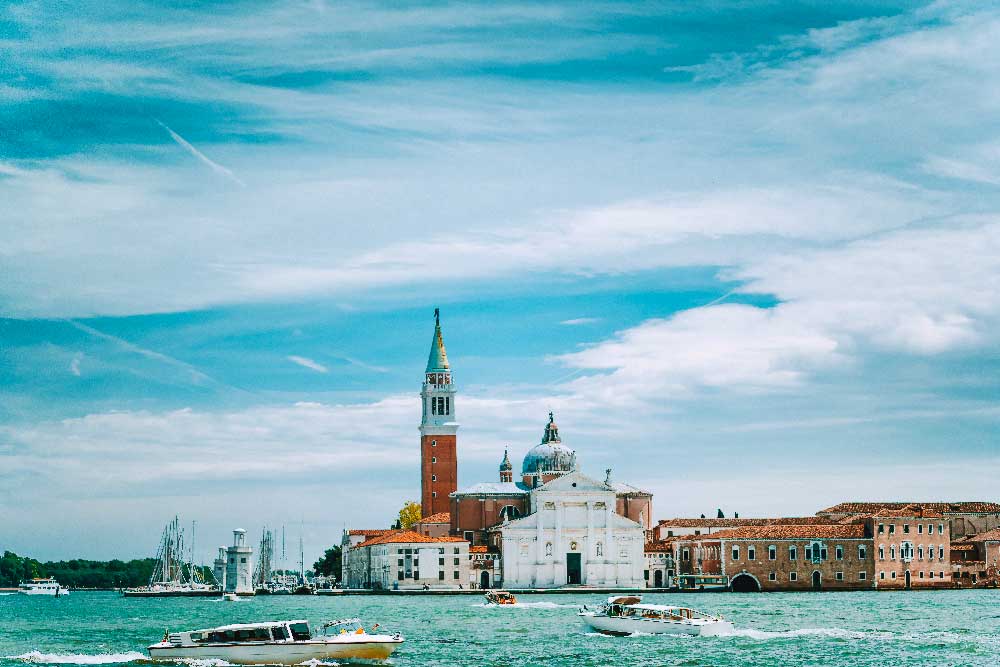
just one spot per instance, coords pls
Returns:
(549, 456)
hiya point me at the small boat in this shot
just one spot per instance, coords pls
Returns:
(626, 615)
(47, 586)
(499, 597)
(230, 597)
(277, 643)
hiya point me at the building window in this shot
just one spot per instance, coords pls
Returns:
(772, 552)
(840, 552)
(434, 459)
(906, 528)
(920, 529)
(881, 528)
(892, 575)
(941, 551)
(809, 552)
(881, 552)
(792, 553)
(773, 576)
(467, 536)
(921, 574)
(401, 576)
(434, 443)
(881, 575)
(670, 533)
(599, 550)
(751, 553)
(548, 548)
(941, 528)
(685, 554)
(930, 529)
(736, 554)
(862, 576)
(792, 576)
(839, 576)
(441, 576)
(456, 562)
(434, 478)
(243, 559)
(941, 574)
(892, 552)
(892, 529)
(920, 552)
(454, 575)
(457, 550)
(434, 494)
(862, 552)
(440, 562)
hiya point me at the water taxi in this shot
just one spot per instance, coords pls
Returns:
(626, 615)
(278, 643)
(42, 587)
(499, 597)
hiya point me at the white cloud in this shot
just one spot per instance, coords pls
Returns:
(308, 363)
(74, 365)
(213, 165)
(579, 321)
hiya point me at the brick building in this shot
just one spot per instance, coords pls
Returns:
(403, 559)
(485, 567)
(965, 518)
(912, 547)
(666, 528)
(435, 525)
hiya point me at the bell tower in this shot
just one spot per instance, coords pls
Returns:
(438, 428)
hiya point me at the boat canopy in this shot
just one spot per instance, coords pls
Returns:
(250, 626)
(624, 600)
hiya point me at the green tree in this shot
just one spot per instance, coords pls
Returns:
(329, 564)
(409, 515)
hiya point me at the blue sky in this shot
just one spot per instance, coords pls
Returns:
(749, 252)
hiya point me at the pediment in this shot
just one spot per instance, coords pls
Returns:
(574, 482)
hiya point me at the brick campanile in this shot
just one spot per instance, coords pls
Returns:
(438, 428)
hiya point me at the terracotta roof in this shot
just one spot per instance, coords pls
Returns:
(478, 549)
(734, 522)
(369, 532)
(662, 545)
(788, 532)
(963, 547)
(965, 506)
(440, 517)
(406, 537)
(988, 536)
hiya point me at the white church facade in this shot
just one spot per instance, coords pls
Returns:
(572, 536)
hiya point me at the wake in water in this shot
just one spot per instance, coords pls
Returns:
(78, 658)
(529, 605)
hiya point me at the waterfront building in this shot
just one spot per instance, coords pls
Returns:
(485, 567)
(975, 560)
(438, 429)
(666, 528)
(965, 518)
(660, 565)
(912, 547)
(239, 565)
(349, 540)
(406, 560)
(435, 525)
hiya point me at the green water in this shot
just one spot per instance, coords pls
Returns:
(928, 628)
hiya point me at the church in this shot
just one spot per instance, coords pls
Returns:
(553, 527)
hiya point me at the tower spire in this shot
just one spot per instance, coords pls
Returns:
(438, 429)
(437, 360)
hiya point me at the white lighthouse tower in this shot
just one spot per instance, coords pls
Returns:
(239, 565)
(219, 568)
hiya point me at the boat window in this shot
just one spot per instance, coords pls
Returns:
(300, 631)
(197, 636)
(280, 632)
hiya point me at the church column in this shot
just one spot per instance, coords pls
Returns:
(539, 536)
(609, 537)
(591, 541)
(557, 545)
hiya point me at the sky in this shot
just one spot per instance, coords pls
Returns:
(747, 252)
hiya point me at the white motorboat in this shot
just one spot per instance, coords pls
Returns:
(42, 587)
(278, 643)
(230, 597)
(626, 615)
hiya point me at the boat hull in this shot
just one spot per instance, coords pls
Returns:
(618, 626)
(353, 647)
(51, 593)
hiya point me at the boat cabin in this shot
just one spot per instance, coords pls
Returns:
(631, 607)
(244, 633)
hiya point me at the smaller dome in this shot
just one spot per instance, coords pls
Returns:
(505, 464)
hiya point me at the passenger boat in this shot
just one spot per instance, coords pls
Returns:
(626, 615)
(42, 587)
(499, 597)
(277, 643)
(230, 597)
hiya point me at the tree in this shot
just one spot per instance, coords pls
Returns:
(409, 515)
(329, 564)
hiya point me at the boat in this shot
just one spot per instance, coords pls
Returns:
(499, 597)
(626, 615)
(37, 586)
(230, 597)
(278, 642)
(174, 574)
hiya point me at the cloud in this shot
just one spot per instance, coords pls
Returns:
(579, 321)
(214, 166)
(308, 363)
(74, 365)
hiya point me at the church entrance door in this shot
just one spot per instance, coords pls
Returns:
(484, 579)
(573, 572)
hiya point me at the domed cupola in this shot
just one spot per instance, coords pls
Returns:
(548, 459)
(506, 469)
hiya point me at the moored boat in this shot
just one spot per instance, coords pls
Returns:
(626, 615)
(277, 642)
(37, 586)
(499, 597)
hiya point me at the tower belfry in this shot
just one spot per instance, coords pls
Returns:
(438, 429)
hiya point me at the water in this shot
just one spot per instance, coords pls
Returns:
(865, 628)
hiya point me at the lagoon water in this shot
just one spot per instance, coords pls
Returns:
(927, 628)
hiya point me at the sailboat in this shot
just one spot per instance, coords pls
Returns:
(173, 575)
(304, 587)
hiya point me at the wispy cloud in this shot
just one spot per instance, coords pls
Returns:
(212, 164)
(305, 362)
(74, 365)
(579, 321)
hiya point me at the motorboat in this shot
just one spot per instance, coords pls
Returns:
(47, 586)
(278, 643)
(627, 615)
(230, 597)
(499, 597)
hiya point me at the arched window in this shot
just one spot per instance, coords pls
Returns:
(508, 512)
(548, 548)
(599, 550)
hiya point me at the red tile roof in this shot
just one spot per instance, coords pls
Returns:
(440, 517)
(963, 547)
(662, 545)
(478, 549)
(960, 507)
(988, 536)
(789, 532)
(406, 537)
(369, 532)
(684, 522)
